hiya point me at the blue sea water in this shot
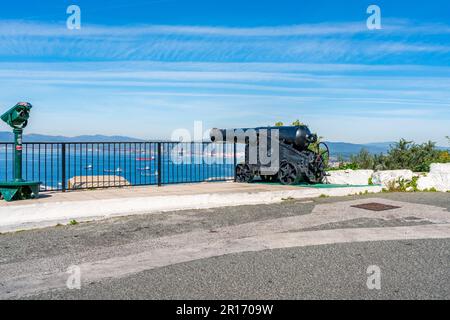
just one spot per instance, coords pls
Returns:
(137, 163)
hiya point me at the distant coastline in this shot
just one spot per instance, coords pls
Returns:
(343, 149)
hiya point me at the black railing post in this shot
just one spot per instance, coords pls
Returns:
(63, 167)
(159, 164)
(234, 160)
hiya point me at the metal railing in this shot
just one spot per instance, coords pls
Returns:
(86, 165)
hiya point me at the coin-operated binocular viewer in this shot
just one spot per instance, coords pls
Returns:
(18, 189)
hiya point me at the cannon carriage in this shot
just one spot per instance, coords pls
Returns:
(281, 154)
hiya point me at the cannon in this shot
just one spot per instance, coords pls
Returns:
(283, 154)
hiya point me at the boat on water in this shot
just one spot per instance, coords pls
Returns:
(146, 168)
(146, 174)
(145, 159)
(116, 170)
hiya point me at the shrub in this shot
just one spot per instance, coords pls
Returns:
(345, 166)
(402, 185)
(402, 155)
(363, 159)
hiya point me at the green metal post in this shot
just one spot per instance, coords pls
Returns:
(19, 189)
(18, 154)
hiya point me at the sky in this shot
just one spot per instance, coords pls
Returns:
(146, 68)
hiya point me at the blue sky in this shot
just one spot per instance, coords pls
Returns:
(146, 68)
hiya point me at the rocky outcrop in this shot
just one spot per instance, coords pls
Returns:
(440, 168)
(388, 178)
(438, 179)
(349, 177)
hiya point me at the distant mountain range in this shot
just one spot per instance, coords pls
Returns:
(343, 149)
(346, 149)
(6, 136)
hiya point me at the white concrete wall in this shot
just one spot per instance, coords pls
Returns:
(349, 177)
(386, 178)
(438, 178)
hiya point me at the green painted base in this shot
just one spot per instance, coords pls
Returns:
(19, 190)
(320, 185)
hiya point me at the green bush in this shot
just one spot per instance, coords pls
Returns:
(402, 155)
(402, 185)
(345, 166)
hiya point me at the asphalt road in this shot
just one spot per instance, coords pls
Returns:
(410, 268)
(417, 269)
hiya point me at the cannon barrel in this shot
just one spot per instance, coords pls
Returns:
(298, 136)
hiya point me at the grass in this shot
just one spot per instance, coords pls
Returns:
(431, 190)
(73, 222)
(402, 185)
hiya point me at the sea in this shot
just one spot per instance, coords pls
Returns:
(136, 163)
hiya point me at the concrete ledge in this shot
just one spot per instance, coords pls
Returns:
(29, 215)
(79, 182)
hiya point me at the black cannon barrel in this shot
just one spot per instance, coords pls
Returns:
(299, 136)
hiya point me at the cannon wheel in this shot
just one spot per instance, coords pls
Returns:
(244, 173)
(288, 173)
(323, 154)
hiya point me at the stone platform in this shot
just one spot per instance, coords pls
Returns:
(54, 208)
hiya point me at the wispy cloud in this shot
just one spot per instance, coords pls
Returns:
(400, 86)
(390, 26)
(340, 74)
(350, 42)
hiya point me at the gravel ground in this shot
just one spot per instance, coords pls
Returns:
(366, 223)
(439, 199)
(417, 269)
(73, 239)
(118, 231)
(412, 269)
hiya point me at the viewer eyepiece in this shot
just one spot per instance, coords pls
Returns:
(17, 116)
